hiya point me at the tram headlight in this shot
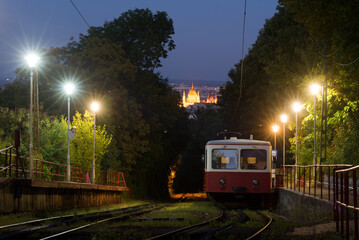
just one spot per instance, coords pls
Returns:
(255, 181)
(222, 181)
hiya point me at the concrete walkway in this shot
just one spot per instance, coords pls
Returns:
(315, 229)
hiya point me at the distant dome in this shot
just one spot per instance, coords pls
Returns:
(192, 92)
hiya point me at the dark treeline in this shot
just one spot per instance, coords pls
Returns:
(288, 56)
(115, 64)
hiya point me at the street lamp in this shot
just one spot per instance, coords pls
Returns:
(283, 119)
(94, 107)
(315, 88)
(275, 129)
(32, 60)
(69, 88)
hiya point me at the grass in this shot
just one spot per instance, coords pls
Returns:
(192, 212)
(281, 229)
(27, 216)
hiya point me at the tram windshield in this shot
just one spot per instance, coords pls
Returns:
(255, 159)
(224, 159)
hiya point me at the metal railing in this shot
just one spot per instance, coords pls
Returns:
(112, 178)
(12, 165)
(345, 202)
(315, 180)
(336, 183)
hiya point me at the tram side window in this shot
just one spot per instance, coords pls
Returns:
(224, 159)
(253, 159)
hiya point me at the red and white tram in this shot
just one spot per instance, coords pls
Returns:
(238, 168)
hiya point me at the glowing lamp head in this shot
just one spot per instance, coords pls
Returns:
(314, 89)
(95, 106)
(275, 128)
(297, 107)
(32, 60)
(69, 88)
(284, 118)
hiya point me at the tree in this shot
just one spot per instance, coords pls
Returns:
(190, 170)
(144, 36)
(15, 95)
(274, 70)
(82, 145)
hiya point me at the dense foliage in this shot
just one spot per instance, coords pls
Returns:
(114, 64)
(292, 51)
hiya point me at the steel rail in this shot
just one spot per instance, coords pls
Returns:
(149, 208)
(71, 219)
(171, 233)
(78, 216)
(264, 228)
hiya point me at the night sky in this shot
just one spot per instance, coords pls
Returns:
(208, 33)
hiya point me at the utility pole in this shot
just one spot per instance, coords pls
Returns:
(37, 111)
(323, 132)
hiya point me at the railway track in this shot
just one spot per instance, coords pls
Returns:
(224, 223)
(208, 230)
(46, 228)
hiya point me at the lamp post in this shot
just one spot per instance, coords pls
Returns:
(275, 129)
(94, 107)
(296, 107)
(284, 119)
(315, 88)
(69, 88)
(32, 60)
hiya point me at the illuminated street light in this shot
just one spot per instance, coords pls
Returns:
(32, 60)
(283, 119)
(69, 89)
(275, 129)
(94, 107)
(315, 88)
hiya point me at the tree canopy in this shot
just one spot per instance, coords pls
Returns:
(144, 36)
(289, 54)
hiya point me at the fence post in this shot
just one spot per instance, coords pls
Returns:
(335, 200)
(329, 183)
(10, 159)
(304, 182)
(341, 200)
(315, 180)
(321, 181)
(346, 179)
(299, 182)
(295, 176)
(310, 179)
(355, 204)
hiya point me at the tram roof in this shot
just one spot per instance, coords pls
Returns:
(235, 141)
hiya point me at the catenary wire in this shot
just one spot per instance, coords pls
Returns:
(80, 13)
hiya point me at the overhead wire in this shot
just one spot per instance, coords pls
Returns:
(242, 61)
(347, 64)
(73, 4)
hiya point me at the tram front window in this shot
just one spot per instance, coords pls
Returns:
(253, 159)
(224, 159)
